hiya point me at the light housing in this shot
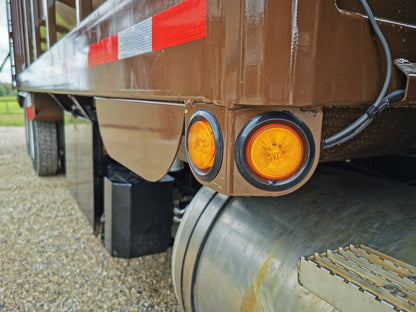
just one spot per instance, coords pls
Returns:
(204, 145)
(274, 151)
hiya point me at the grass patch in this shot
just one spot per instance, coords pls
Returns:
(11, 114)
(14, 120)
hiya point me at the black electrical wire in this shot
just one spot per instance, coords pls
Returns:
(395, 96)
(361, 123)
(349, 136)
(371, 113)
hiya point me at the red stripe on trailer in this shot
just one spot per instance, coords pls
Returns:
(30, 112)
(103, 51)
(184, 22)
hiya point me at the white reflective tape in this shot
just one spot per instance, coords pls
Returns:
(135, 40)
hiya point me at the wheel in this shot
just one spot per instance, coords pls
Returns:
(45, 147)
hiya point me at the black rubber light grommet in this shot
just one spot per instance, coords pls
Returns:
(212, 172)
(278, 117)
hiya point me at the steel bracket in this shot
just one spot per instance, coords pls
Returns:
(409, 69)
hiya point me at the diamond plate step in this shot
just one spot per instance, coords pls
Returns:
(359, 278)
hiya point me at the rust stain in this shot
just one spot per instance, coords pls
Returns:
(253, 291)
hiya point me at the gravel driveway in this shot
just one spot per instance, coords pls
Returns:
(49, 258)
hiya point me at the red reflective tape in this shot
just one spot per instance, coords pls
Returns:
(103, 51)
(30, 112)
(181, 23)
(184, 22)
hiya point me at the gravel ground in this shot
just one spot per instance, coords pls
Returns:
(49, 259)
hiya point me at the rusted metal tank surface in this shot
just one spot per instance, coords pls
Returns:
(241, 254)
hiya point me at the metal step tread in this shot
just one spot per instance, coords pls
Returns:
(359, 278)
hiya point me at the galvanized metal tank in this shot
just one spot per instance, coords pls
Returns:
(241, 254)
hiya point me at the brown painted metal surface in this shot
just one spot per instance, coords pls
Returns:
(390, 133)
(400, 11)
(143, 136)
(229, 180)
(284, 54)
(45, 107)
(36, 10)
(50, 23)
(18, 36)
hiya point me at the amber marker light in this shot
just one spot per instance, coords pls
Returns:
(274, 151)
(204, 145)
(201, 145)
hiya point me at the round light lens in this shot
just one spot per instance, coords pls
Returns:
(201, 145)
(275, 152)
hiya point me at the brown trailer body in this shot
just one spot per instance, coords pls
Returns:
(281, 53)
(307, 58)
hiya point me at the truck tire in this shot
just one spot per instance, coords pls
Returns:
(45, 147)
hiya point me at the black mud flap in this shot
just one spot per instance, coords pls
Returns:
(137, 213)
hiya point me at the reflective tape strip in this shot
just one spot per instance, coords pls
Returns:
(179, 24)
(104, 51)
(30, 112)
(135, 40)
